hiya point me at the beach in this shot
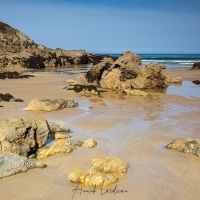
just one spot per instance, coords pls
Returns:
(135, 129)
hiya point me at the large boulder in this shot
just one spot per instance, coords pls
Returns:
(11, 164)
(24, 136)
(112, 74)
(152, 76)
(50, 104)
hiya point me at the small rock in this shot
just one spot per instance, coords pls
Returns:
(186, 145)
(196, 65)
(197, 82)
(70, 81)
(90, 143)
(61, 135)
(175, 80)
(58, 126)
(50, 104)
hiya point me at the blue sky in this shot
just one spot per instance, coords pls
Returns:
(141, 26)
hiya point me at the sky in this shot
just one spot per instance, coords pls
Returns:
(108, 26)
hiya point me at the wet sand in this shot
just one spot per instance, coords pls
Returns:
(135, 129)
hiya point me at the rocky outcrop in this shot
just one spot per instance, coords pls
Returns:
(8, 97)
(102, 174)
(24, 136)
(186, 145)
(196, 65)
(11, 164)
(37, 58)
(13, 40)
(110, 74)
(18, 51)
(124, 73)
(49, 105)
(62, 146)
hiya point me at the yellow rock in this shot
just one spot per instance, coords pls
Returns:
(112, 165)
(59, 146)
(90, 143)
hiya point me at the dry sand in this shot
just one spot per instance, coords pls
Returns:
(135, 129)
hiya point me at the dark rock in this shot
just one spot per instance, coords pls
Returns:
(197, 82)
(94, 75)
(19, 100)
(97, 58)
(8, 97)
(127, 74)
(80, 88)
(14, 75)
(196, 65)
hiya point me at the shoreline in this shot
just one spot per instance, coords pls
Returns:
(135, 129)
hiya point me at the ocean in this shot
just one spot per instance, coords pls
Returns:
(172, 61)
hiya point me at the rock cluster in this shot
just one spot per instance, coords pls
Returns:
(49, 105)
(11, 164)
(124, 73)
(186, 145)
(24, 136)
(103, 172)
